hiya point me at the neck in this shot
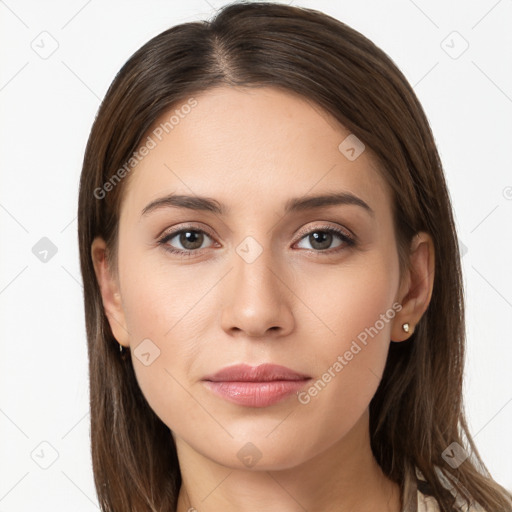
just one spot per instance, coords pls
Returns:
(345, 477)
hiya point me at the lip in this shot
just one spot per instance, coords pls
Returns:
(256, 386)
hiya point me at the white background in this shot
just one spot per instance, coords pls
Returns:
(47, 109)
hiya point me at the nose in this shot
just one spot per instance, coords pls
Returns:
(258, 299)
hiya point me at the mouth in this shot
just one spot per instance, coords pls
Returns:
(258, 386)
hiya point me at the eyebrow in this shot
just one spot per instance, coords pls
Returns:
(292, 205)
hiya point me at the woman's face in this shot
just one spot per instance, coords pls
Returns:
(259, 278)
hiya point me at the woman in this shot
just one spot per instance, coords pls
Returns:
(273, 291)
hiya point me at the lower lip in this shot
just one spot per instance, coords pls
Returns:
(256, 394)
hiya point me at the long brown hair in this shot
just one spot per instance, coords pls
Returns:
(417, 411)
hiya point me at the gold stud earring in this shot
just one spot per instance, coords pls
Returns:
(405, 327)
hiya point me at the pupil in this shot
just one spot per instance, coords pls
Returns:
(190, 237)
(321, 239)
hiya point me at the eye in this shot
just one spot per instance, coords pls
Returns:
(321, 239)
(190, 239)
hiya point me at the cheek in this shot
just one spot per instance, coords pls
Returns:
(166, 319)
(349, 299)
(158, 297)
(354, 308)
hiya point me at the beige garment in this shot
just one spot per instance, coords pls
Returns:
(417, 497)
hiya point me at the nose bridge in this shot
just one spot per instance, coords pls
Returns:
(254, 269)
(259, 302)
(254, 274)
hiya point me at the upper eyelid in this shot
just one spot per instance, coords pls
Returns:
(174, 232)
(326, 227)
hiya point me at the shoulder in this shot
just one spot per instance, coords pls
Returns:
(426, 502)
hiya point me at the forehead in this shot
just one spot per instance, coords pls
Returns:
(242, 145)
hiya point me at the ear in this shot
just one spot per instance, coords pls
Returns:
(110, 293)
(416, 289)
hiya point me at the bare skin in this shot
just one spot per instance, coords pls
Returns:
(299, 303)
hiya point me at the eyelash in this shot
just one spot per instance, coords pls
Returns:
(348, 241)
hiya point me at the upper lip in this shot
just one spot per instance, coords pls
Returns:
(262, 373)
